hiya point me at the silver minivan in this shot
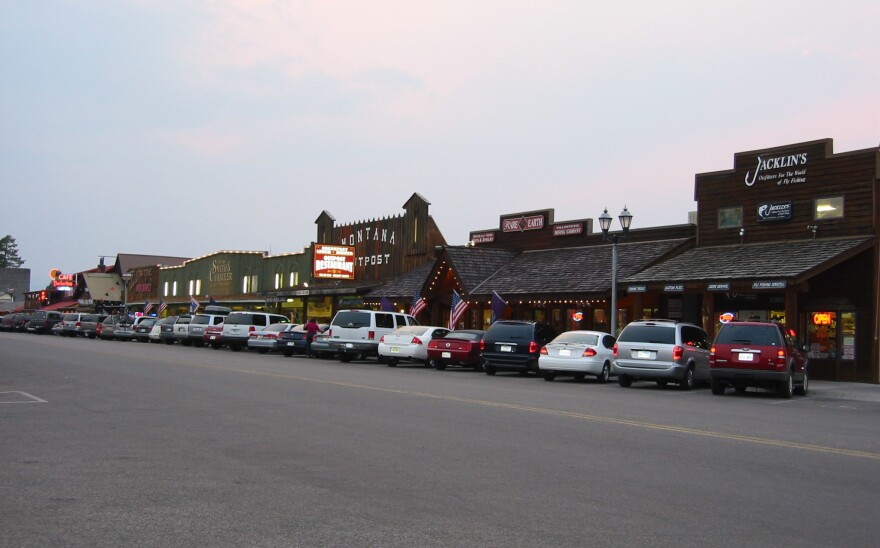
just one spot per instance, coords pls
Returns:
(662, 351)
(357, 332)
(238, 326)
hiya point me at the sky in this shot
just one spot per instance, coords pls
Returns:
(185, 127)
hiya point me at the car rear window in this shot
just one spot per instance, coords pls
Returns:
(200, 320)
(464, 335)
(657, 334)
(756, 335)
(240, 318)
(510, 332)
(591, 339)
(354, 319)
(410, 330)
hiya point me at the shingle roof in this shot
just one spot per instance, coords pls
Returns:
(473, 265)
(405, 285)
(787, 259)
(574, 270)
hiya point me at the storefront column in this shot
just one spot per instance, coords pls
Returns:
(709, 317)
(791, 312)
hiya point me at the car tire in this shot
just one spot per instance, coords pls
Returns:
(624, 381)
(605, 375)
(579, 376)
(785, 388)
(740, 388)
(439, 366)
(549, 375)
(803, 388)
(688, 382)
(717, 387)
(288, 353)
(345, 357)
(490, 370)
(392, 362)
(429, 363)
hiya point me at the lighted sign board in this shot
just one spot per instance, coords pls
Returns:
(726, 317)
(823, 318)
(63, 282)
(334, 262)
(577, 316)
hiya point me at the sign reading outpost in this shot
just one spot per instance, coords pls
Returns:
(334, 262)
(362, 237)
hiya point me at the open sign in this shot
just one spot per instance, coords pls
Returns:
(823, 318)
(726, 317)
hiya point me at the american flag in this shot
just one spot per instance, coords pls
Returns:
(193, 305)
(459, 306)
(147, 306)
(418, 304)
(162, 306)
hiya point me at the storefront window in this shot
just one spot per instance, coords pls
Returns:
(828, 208)
(730, 217)
(822, 335)
(848, 335)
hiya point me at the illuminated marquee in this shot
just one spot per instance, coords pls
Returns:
(334, 262)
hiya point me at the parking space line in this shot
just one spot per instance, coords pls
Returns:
(32, 398)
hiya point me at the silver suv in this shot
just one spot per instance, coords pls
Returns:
(213, 315)
(238, 326)
(356, 333)
(662, 351)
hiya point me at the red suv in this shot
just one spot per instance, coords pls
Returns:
(761, 354)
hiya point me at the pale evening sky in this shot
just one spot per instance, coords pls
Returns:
(184, 127)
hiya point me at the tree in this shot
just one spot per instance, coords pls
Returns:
(9, 253)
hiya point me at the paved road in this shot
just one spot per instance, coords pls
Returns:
(108, 443)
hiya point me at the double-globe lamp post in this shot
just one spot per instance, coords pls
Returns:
(625, 219)
(126, 277)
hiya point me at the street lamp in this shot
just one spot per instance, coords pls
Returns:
(126, 277)
(625, 219)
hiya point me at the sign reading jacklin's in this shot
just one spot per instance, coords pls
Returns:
(335, 262)
(776, 211)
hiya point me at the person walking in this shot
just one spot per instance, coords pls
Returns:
(312, 330)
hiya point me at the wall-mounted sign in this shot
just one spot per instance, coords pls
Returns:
(769, 284)
(519, 224)
(639, 288)
(568, 229)
(673, 288)
(774, 211)
(718, 286)
(482, 237)
(782, 170)
(726, 317)
(823, 318)
(577, 316)
(334, 262)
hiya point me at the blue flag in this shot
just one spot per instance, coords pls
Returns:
(498, 306)
(386, 305)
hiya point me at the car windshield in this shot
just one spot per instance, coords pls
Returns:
(578, 337)
(657, 334)
(756, 335)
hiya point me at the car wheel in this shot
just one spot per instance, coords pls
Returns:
(579, 376)
(288, 353)
(392, 362)
(688, 382)
(549, 375)
(717, 387)
(605, 374)
(740, 388)
(490, 369)
(439, 366)
(429, 363)
(786, 386)
(624, 380)
(478, 367)
(345, 357)
(804, 388)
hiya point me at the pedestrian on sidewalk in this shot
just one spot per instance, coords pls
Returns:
(312, 330)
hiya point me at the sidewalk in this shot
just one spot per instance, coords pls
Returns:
(845, 390)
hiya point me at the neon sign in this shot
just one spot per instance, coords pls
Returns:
(726, 317)
(823, 318)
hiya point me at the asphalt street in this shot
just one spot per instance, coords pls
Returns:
(123, 444)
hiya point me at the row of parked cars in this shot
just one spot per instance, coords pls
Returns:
(744, 354)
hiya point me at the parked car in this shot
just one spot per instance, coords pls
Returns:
(213, 315)
(125, 329)
(758, 354)
(513, 345)
(88, 325)
(163, 330)
(7, 322)
(293, 341)
(180, 329)
(266, 339)
(42, 321)
(357, 332)
(213, 336)
(20, 321)
(57, 329)
(460, 347)
(140, 331)
(578, 353)
(71, 324)
(408, 344)
(105, 329)
(321, 347)
(238, 326)
(662, 351)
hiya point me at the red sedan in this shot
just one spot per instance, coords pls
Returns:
(460, 347)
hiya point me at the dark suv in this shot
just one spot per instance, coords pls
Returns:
(510, 345)
(662, 351)
(42, 321)
(760, 354)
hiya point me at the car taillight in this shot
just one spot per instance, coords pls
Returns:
(712, 357)
(677, 352)
(533, 347)
(79, 324)
(543, 350)
(615, 350)
(253, 334)
(329, 332)
(416, 340)
(780, 359)
(252, 328)
(382, 339)
(371, 335)
(433, 343)
(589, 353)
(482, 345)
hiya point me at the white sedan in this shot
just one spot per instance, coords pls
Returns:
(578, 353)
(409, 343)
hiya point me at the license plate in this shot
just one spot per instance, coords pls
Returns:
(565, 352)
(746, 357)
(446, 354)
(506, 348)
(291, 344)
(644, 354)
(212, 337)
(394, 350)
(349, 345)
